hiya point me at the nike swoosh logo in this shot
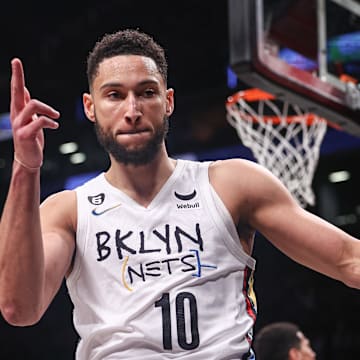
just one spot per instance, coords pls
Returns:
(186, 196)
(97, 213)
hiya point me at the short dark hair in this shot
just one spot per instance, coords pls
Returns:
(274, 341)
(126, 42)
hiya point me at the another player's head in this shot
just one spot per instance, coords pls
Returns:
(282, 341)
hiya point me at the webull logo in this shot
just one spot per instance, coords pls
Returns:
(188, 206)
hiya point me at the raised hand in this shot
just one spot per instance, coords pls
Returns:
(28, 119)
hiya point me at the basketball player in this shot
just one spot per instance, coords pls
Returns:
(156, 252)
(282, 341)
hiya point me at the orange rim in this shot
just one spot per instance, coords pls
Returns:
(309, 119)
(250, 95)
(255, 94)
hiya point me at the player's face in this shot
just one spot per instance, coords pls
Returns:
(130, 105)
(305, 352)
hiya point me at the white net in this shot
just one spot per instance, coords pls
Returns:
(282, 137)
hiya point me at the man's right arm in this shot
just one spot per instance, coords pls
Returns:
(28, 256)
(32, 264)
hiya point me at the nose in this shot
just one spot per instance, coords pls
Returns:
(132, 110)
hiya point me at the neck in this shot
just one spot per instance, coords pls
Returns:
(143, 182)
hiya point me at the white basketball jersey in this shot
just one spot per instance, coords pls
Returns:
(166, 281)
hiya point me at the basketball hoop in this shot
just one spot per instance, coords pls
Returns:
(283, 138)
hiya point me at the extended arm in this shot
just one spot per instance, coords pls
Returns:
(308, 239)
(21, 251)
(255, 197)
(26, 256)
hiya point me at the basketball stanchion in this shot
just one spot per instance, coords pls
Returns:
(283, 138)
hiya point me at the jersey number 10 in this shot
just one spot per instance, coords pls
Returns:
(183, 340)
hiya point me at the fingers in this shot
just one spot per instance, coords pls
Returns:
(27, 95)
(20, 95)
(28, 125)
(28, 116)
(17, 87)
(34, 128)
(38, 109)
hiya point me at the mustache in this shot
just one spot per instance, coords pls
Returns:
(142, 155)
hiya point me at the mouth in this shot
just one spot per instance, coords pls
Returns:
(132, 132)
(133, 137)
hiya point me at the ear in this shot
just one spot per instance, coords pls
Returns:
(294, 354)
(170, 101)
(89, 107)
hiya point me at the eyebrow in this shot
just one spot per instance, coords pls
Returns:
(119, 84)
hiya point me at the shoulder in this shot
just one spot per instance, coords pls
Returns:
(245, 187)
(238, 172)
(60, 209)
(63, 199)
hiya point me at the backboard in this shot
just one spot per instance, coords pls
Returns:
(307, 51)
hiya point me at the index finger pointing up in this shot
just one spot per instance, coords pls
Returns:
(17, 88)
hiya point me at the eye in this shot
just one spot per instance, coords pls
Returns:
(149, 93)
(113, 95)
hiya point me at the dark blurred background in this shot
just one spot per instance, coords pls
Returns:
(53, 40)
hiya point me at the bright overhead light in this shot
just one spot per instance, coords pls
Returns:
(68, 148)
(346, 219)
(339, 176)
(77, 158)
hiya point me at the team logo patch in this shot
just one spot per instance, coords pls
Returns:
(188, 200)
(97, 199)
(185, 197)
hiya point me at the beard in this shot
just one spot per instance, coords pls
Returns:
(141, 156)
